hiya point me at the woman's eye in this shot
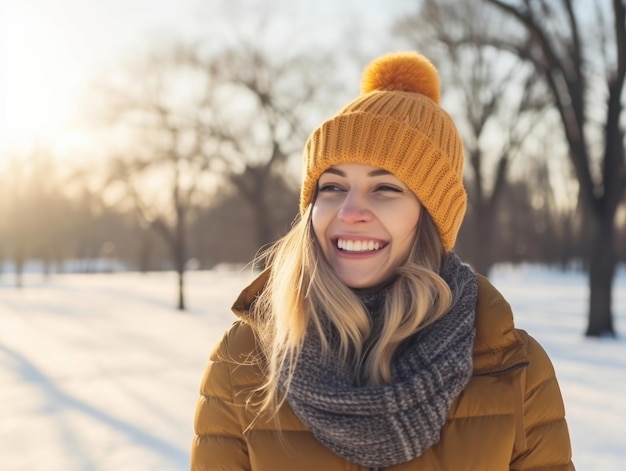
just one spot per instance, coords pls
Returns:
(383, 187)
(329, 187)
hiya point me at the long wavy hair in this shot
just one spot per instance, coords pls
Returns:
(303, 292)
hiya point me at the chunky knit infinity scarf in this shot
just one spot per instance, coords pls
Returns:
(380, 426)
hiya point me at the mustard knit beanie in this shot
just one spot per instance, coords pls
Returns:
(397, 124)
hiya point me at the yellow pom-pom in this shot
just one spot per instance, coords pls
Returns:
(404, 71)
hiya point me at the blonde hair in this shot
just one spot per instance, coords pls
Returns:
(303, 292)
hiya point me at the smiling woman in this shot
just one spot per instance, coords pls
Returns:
(367, 339)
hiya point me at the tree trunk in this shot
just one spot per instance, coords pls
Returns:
(19, 260)
(483, 243)
(181, 290)
(180, 269)
(180, 256)
(601, 273)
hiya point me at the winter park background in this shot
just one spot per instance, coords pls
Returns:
(99, 372)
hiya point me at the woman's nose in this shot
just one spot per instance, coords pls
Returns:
(354, 209)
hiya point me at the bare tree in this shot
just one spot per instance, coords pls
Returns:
(276, 96)
(580, 52)
(163, 104)
(196, 117)
(496, 102)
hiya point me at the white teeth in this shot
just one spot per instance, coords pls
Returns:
(358, 245)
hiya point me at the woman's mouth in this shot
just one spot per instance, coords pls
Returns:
(359, 246)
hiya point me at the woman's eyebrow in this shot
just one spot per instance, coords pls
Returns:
(335, 171)
(374, 173)
(378, 172)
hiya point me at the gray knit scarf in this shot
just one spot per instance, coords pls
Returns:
(378, 426)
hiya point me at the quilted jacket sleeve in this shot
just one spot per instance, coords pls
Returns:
(218, 444)
(546, 444)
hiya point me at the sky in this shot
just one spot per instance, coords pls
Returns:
(51, 50)
(100, 372)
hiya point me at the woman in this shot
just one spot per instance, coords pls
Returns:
(367, 344)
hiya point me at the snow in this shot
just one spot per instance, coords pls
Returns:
(100, 372)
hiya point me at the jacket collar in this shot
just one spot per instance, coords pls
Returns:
(245, 299)
(498, 347)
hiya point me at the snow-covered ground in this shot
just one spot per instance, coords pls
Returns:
(99, 372)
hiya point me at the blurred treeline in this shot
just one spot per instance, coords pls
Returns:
(76, 230)
(196, 147)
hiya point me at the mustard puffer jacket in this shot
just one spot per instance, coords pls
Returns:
(509, 417)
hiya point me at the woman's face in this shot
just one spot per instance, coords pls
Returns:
(365, 220)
